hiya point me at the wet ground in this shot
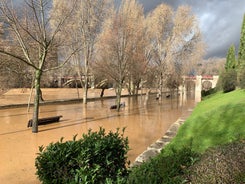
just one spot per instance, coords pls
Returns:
(145, 119)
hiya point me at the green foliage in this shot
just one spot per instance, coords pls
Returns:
(217, 120)
(167, 168)
(95, 158)
(208, 92)
(241, 51)
(229, 80)
(231, 58)
(241, 76)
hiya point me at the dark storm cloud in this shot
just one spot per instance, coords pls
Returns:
(220, 21)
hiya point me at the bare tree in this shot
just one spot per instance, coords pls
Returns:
(31, 31)
(101, 80)
(175, 40)
(138, 59)
(82, 31)
(187, 46)
(117, 44)
(159, 29)
(211, 66)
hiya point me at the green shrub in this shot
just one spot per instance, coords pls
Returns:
(167, 168)
(95, 158)
(208, 92)
(229, 80)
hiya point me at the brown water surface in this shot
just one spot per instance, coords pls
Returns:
(145, 119)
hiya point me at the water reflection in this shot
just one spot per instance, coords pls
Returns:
(145, 118)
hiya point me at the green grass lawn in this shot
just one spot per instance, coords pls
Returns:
(218, 119)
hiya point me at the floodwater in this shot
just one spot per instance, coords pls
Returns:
(145, 118)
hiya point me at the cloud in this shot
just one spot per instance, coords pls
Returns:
(219, 21)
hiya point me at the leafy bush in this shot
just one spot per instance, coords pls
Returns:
(167, 168)
(95, 158)
(223, 164)
(229, 80)
(208, 92)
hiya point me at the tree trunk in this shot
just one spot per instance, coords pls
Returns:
(177, 97)
(160, 87)
(133, 89)
(78, 95)
(38, 74)
(102, 92)
(85, 91)
(137, 87)
(171, 96)
(118, 93)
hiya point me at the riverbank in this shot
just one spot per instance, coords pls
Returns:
(218, 119)
(155, 149)
(226, 103)
(209, 146)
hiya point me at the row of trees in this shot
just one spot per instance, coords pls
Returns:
(234, 73)
(131, 46)
(121, 45)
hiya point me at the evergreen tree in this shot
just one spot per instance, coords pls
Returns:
(229, 76)
(241, 57)
(231, 58)
(241, 52)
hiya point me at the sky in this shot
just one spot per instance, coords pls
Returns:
(220, 21)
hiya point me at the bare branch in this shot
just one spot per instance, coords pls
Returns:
(65, 61)
(18, 57)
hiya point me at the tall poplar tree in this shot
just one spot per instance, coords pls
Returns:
(231, 58)
(241, 57)
(229, 76)
(241, 52)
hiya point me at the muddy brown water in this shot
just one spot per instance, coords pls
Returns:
(145, 119)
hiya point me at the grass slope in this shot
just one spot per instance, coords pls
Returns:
(217, 120)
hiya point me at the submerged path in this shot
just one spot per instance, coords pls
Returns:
(155, 148)
(21, 97)
(145, 119)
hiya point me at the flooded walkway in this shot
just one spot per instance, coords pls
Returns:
(145, 120)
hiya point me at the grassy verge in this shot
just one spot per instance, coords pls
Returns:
(217, 120)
